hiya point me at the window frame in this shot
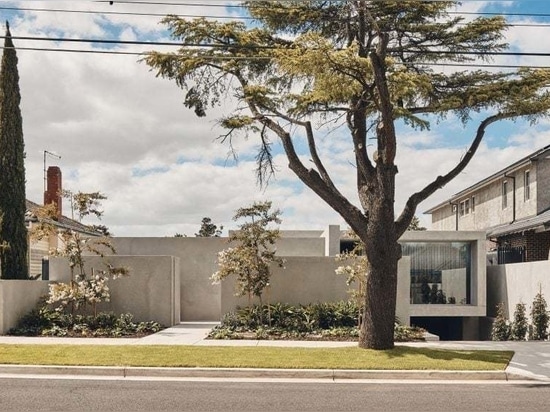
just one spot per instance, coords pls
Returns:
(504, 193)
(465, 207)
(527, 185)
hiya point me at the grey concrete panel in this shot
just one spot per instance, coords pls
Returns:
(516, 283)
(200, 300)
(17, 298)
(150, 292)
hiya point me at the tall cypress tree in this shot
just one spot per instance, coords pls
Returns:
(13, 233)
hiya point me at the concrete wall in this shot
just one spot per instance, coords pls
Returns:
(17, 298)
(301, 247)
(306, 278)
(150, 293)
(303, 280)
(312, 280)
(516, 283)
(200, 300)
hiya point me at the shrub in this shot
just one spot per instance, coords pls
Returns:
(44, 321)
(501, 327)
(332, 320)
(539, 318)
(520, 324)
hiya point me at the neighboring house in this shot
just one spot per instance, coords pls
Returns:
(40, 249)
(512, 206)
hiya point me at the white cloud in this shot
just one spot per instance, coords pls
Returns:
(122, 131)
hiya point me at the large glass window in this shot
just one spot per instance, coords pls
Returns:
(440, 272)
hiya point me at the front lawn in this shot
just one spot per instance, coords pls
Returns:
(399, 358)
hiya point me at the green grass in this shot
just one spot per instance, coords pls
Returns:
(401, 357)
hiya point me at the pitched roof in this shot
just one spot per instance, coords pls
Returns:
(539, 223)
(498, 175)
(63, 221)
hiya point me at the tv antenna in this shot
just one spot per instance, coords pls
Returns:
(47, 153)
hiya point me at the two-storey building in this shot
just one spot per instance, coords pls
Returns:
(512, 206)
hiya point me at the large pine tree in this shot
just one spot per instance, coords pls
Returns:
(13, 233)
(305, 68)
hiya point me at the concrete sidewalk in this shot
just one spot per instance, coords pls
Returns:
(531, 359)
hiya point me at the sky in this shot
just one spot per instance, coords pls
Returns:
(120, 130)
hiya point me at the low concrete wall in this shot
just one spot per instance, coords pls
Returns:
(516, 283)
(303, 280)
(150, 293)
(313, 279)
(200, 300)
(17, 298)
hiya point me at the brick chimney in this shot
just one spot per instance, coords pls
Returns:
(53, 189)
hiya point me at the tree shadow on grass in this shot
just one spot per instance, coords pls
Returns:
(488, 356)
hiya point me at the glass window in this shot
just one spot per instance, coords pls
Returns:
(465, 207)
(473, 204)
(504, 194)
(440, 272)
(526, 185)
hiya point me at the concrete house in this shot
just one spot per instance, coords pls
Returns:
(512, 206)
(170, 278)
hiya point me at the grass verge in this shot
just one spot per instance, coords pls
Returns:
(401, 357)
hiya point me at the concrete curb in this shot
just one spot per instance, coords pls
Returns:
(331, 374)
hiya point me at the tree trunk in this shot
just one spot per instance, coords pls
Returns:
(377, 326)
(383, 253)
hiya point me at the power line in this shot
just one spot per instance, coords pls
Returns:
(254, 47)
(122, 13)
(251, 58)
(234, 17)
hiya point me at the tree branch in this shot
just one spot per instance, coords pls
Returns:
(410, 208)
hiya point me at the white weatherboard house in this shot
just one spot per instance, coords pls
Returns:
(511, 206)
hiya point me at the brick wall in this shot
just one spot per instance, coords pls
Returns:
(537, 245)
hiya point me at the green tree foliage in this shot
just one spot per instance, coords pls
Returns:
(209, 229)
(501, 326)
(371, 65)
(13, 232)
(415, 225)
(539, 318)
(520, 324)
(250, 259)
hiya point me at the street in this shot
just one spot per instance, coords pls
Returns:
(23, 394)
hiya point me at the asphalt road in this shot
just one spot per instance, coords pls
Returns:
(22, 394)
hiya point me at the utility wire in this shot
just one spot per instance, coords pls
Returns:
(234, 17)
(259, 58)
(122, 13)
(241, 47)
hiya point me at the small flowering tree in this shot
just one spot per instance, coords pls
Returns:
(84, 289)
(250, 259)
(354, 267)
